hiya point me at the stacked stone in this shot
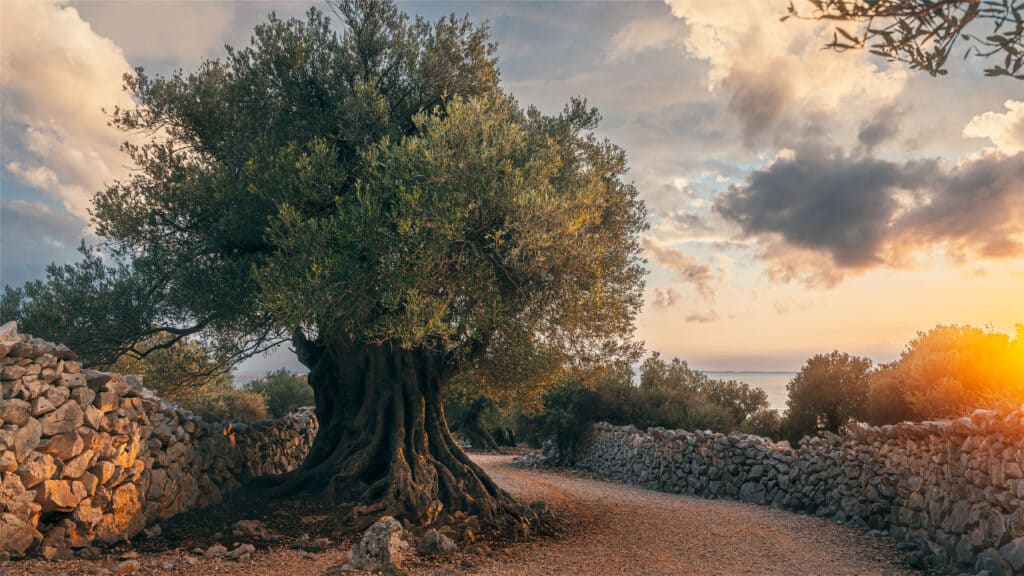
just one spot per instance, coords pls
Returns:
(88, 456)
(953, 489)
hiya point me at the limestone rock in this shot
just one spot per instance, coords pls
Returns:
(215, 551)
(64, 446)
(380, 548)
(60, 495)
(241, 553)
(15, 411)
(27, 438)
(36, 468)
(1013, 552)
(16, 536)
(436, 544)
(64, 419)
(129, 566)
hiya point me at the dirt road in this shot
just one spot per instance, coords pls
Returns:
(622, 530)
(612, 530)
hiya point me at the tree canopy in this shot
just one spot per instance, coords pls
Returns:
(373, 185)
(375, 197)
(924, 33)
(827, 392)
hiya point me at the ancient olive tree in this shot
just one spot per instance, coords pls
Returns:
(373, 196)
(923, 33)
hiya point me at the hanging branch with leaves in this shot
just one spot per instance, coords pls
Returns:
(923, 33)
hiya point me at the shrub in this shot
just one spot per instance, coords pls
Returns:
(829, 390)
(669, 395)
(949, 371)
(284, 391)
(225, 402)
(569, 410)
(765, 422)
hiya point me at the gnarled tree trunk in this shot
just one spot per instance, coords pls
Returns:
(384, 445)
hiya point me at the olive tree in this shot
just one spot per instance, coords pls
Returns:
(923, 33)
(372, 196)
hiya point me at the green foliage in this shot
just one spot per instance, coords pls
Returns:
(182, 372)
(669, 395)
(173, 368)
(947, 372)
(923, 33)
(569, 410)
(829, 390)
(765, 422)
(283, 390)
(225, 402)
(370, 186)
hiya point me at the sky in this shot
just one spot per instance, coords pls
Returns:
(800, 200)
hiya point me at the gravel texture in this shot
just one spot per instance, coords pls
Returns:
(623, 530)
(610, 529)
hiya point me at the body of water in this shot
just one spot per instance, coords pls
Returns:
(774, 383)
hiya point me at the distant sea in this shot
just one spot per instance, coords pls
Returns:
(774, 383)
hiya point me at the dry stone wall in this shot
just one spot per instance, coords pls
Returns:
(952, 489)
(89, 456)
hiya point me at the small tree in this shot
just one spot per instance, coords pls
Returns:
(923, 33)
(829, 390)
(284, 391)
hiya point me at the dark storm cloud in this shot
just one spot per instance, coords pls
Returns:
(864, 211)
(976, 208)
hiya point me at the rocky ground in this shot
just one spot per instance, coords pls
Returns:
(609, 529)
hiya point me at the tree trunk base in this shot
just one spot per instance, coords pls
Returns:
(384, 448)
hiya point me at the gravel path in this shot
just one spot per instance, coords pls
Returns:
(623, 530)
(612, 530)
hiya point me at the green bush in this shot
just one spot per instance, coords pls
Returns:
(830, 390)
(284, 391)
(669, 395)
(216, 403)
(569, 410)
(765, 422)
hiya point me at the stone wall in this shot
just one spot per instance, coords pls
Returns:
(952, 489)
(88, 456)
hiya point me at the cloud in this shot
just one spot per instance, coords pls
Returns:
(702, 317)
(666, 297)
(691, 270)
(646, 34)
(819, 215)
(56, 76)
(1006, 131)
(879, 129)
(163, 30)
(775, 75)
(32, 235)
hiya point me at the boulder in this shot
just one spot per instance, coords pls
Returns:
(381, 547)
(436, 544)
